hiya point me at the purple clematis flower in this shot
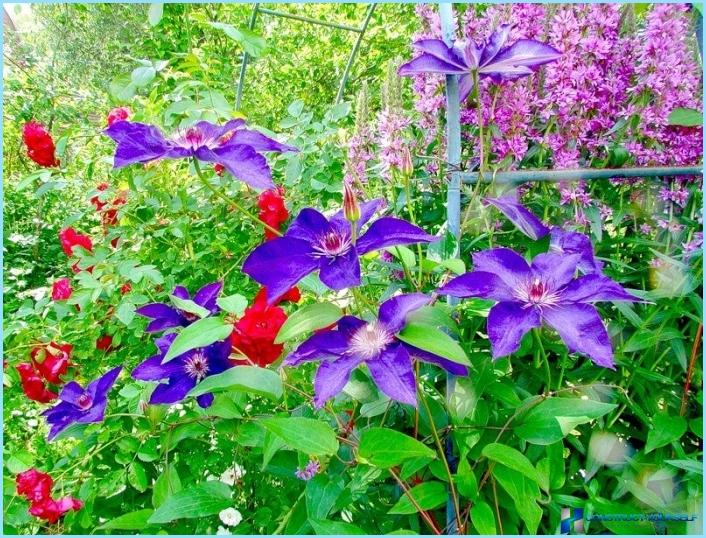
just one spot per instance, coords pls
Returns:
(492, 59)
(184, 372)
(236, 148)
(314, 242)
(545, 292)
(374, 343)
(526, 221)
(165, 316)
(576, 243)
(81, 405)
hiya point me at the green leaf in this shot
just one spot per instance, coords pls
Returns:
(483, 518)
(189, 306)
(233, 304)
(321, 495)
(132, 521)
(330, 528)
(308, 318)
(405, 255)
(251, 379)
(122, 88)
(166, 485)
(465, 479)
(125, 312)
(386, 448)
(142, 76)
(154, 14)
(690, 466)
(554, 418)
(137, 477)
(306, 435)
(201, 333)
(434, 341)
(252, 43)
(205, 499)
(685, 117)
(512, 458)
(428, 495)
(454, 265)
(665, 429)
(524, 492)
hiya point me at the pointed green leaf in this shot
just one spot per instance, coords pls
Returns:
(306, 435)
(434, 341)
(308, 318)
(201, 333)
(205, 499)
(386, 448)
(250, 379)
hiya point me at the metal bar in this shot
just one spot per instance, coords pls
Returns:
(354, 53)
(310, 20)
(244, 65)
(699, 19)
(453, 205)
(579, 174)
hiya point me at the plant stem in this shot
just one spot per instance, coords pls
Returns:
(545, 361)
(442, 455)
(230, 201)
(414, 502)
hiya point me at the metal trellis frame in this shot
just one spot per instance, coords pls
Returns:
(351, 59)
(456, 178)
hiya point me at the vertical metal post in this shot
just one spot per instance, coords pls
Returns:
(354, 53)
(453, 200)
(241, 77)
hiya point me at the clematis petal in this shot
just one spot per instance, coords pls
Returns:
(157, 310)
(507, 324)
(332, 376)
(173, 391)
(559, 269)
(99, 388)
(582, 330)
(279, 264)
(576, 243)
(308, 225)
(95, 414)
(341, 272)
(181, 292)
(439, 49)
(348, 325)
(207, 295)
(395, 311)
(152, 369)
(478, 284)
(450, 366)
(211, 131)
(523, 53)
(205, 400)
(390, 231)
(594, 288)
(505, 263)
(495, 43)
(71, 392)
(528, 223)
(136, 143)
(426, 63)
(61, 416)
(258, 141)
(393, 374)
(165, 323)
(242, 162)
(320, 346)
(465, 87)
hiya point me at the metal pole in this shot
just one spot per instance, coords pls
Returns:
(453, 204)
(354, 52)
(581, 174)
(241, 78)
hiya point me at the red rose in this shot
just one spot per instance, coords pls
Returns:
(254, 334)
(125, 288)
(273, 211)
(33, 385)
(34, 485)
(218, 168)
(61, 289)
(70, 238)
(118, 114)
(51, 510)
(40, 146)
(105, 343)
(52, 360)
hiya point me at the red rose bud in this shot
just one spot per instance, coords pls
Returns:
(34, 485)
(51, 510)
(351, 208)
(40, 146)
(406, 167)
(52, 361)
(218, 168)
(273, 211)
(105, 343)
(125, 288)
(70, 238)
(61, 289)
(118, 114)
(33, 385)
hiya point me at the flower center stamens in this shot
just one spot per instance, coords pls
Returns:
(84, 402)
(332, 245)
(370, 340)
(196, 366)
(537, 293)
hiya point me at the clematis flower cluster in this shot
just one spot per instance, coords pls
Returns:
(36, 486)
(254, 334)
(237, 149)
(374, 343)
(40, 145)
(273, 211)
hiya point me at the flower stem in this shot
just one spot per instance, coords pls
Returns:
(442, 455)
(545, 360)
(230, 201)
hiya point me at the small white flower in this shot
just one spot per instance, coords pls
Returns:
(230, 517)
(32, 423)
(233, 475)
(222, 531)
